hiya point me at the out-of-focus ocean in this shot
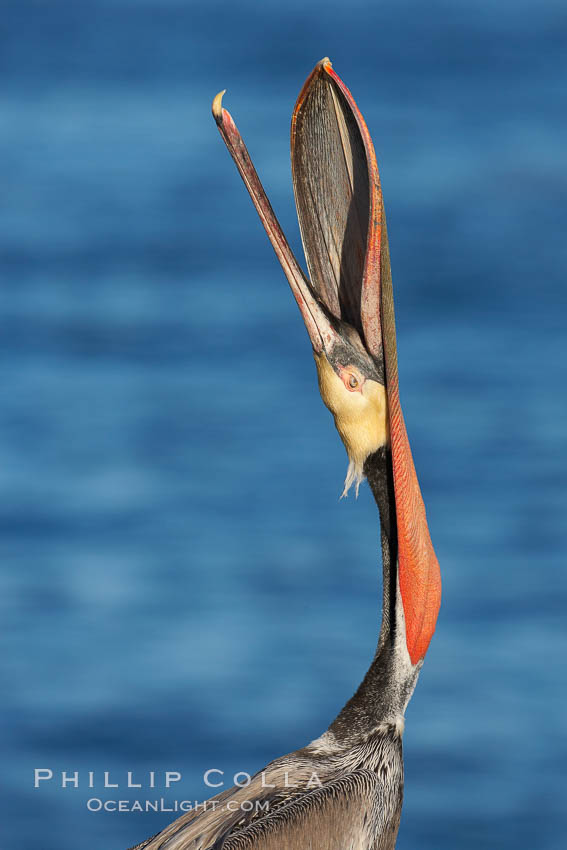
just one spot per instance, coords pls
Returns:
(181, 588)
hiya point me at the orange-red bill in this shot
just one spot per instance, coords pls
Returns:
(343, 227)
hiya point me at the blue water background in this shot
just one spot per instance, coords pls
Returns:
(181, 588)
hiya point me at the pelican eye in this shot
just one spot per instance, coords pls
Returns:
(351, 378)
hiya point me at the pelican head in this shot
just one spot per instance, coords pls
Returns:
(352, 387)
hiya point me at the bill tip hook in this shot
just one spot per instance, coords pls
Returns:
(217, 106)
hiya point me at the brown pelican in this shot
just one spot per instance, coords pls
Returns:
(344, 789)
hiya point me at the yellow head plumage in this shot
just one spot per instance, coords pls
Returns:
(360, 409)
